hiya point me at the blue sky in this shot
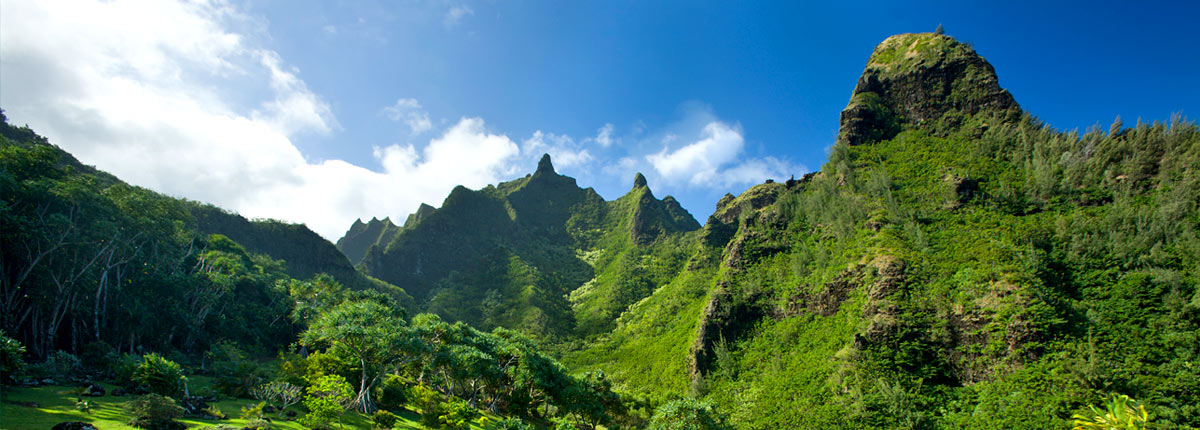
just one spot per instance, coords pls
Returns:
(323, 112)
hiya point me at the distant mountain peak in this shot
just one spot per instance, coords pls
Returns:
(918, 77)
(639, 181)
(544, 165)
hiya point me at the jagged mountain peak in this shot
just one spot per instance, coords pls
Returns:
(915, 78)
(544, 165)
(639, 181)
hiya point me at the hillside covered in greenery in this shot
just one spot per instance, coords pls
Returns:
(108, 287)
(538, 254)
(956, 263)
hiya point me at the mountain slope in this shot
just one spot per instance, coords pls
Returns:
(85, 257)
(508, 255)
(955, 264)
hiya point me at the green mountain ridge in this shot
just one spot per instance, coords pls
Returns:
(510, 254)
(88, 258)
(955, 264)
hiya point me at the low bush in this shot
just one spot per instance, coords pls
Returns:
(11, 360)
(159, 375)
(60, 364)
(154, 412)
(392, 393)
(512, 424)
(383, 419)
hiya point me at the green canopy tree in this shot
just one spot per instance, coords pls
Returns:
(365, 330)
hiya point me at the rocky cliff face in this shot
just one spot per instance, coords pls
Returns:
(912, 79)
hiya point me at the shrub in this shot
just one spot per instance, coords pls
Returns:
(215, 412)
(11, 361)
(430, 402)
(383, 419)
(257, 424)
(159, 375)
(457, 414)
(327, 399)
(278, 394)
(154, 412)
(59, 364)
(236, 378)
(392, 393)
(686, 414)
(98, 356)
(122, 367)
(512, 424)
(253, 412)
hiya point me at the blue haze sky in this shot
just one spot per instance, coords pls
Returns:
(323, 112)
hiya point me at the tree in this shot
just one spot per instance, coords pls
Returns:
(365, 330)
(939, 30)
(687, 414)
(327, 399)
(278, 393)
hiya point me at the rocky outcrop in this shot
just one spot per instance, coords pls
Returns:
(916, 78)
(653, 218)
(724, 319)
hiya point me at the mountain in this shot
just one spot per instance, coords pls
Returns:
(510, 254)
(955, 264)
(87, 258)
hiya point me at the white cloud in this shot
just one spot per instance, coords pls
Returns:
(164, 95)
(715, 160)
(563, 150)
(409, 111)
(455, 15)
(604, 136)
(294, 109)
(334, 193)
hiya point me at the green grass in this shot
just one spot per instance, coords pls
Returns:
(56, 403)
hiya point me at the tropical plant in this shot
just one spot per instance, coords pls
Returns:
(159, 375)
(1120, 413)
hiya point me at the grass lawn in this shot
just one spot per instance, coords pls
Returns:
(56, 403)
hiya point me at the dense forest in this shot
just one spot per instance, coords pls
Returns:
(955, 264)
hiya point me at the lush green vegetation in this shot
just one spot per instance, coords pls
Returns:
(508, 255)
(955, 264)
(108, 282)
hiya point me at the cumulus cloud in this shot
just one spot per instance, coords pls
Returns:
(410, 113)
(715, 160)
(455, 15)
(165, 95)
(604, 136)
(563, 150)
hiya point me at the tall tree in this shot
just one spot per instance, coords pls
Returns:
(366, 330)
